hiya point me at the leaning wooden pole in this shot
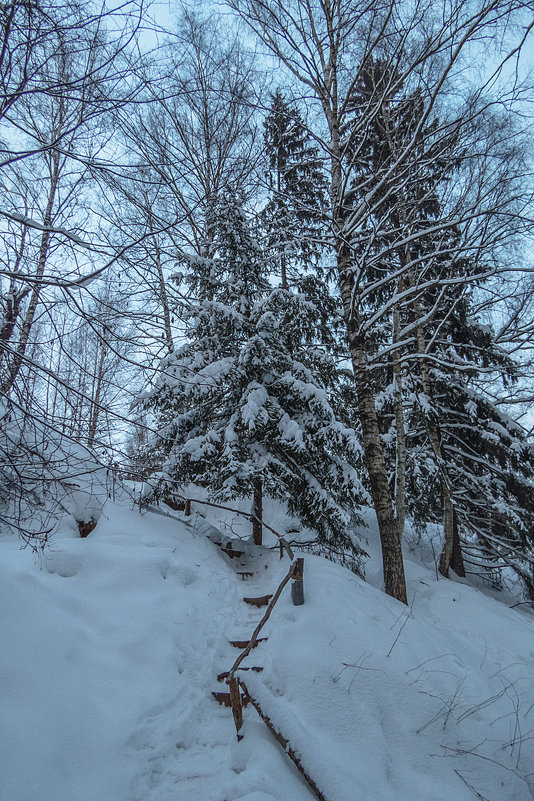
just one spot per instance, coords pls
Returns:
(253, 640)
(284, 742)
(231, 680)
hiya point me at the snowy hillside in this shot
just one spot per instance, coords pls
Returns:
(111, 647)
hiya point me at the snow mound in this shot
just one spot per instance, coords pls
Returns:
(111, 646)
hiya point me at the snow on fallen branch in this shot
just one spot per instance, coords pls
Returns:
(283, 542)
(284, 742)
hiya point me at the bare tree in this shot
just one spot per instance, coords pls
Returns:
(94, 41)
(194, 135)
(197, 133)
(62, 71)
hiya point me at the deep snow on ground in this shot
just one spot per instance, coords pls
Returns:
(110, 648)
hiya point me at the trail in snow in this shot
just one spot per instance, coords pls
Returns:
(190, 744)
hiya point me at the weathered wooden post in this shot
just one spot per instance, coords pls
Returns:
(257, 513)
(297, 586)
(236, 704)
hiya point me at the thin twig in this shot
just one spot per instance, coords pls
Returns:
(401, 628)
(482, 797)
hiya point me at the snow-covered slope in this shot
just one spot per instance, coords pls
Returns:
(110, 648)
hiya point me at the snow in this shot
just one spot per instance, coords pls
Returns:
(111, 646)
(39, 226)
(253, 412)
(290, 431)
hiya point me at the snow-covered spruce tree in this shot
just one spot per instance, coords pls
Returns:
(245, 405)
(478, 462)
(292, 224)
(294, 216)
(323, 47)
(395, 252)
(488, 459)
(429, 355)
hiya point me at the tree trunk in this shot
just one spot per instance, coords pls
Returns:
(457, 558)
(283, 266)
(448, 529)
(257, 511)
(400, 429)
(96, 408)
(18, 358)
(162, 288)
(392, 560)
(449, 514)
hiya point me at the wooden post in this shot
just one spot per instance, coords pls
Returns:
(257, 512)
(297, 587)
(187, 507)
(237, 706)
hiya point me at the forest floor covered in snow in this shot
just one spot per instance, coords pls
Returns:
(111, 646)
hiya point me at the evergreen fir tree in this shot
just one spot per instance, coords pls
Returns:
(489, 460)
(246, 402)
(466, 462)
(294, 216)
(387, 250)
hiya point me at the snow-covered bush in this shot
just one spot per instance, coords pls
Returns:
(43, 476)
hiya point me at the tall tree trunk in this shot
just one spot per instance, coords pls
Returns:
(448, 527)
(392, 560)
(15, 296)
(18, 357)
(457, 558)
(163, 296)
(95, 409)
(257, 511)
(400, 429)
(449, 515)
(162, 288)
(283, 265)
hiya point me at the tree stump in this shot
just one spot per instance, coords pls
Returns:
(85, 527)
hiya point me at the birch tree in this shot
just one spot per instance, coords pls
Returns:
(325, 47)
(193, 136)
(62, 69)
